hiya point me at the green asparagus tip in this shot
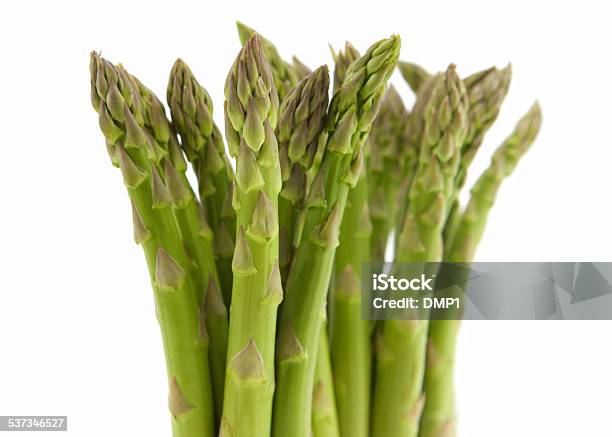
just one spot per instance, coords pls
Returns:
(342, 60)
(376, 66)
(507, 70)
(528, 127)
(244, 32)
(153, 109)
(113, 95)
(251, 97)
(302, 116)
(191, 108)
(413, 74)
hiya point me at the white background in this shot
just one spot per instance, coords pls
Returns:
(78, 335)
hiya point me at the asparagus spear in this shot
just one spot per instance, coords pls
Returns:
(401, 344)
(390, 164)
(325, 416)
(191, 109)
(350, 116)
(414, 139)
(301, 120)
(351, 351)
(201, 140)
(349, 334)
(125, 121)
(504, 161)
(251, 110)
(439, 416)
(487, 91)
(194, 229)
(197, 238)
(284, 76)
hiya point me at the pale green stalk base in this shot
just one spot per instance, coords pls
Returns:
(187, 363)
(400, 366)
(295, 366)
(438, 418)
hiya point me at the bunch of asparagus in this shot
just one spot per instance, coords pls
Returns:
(319, 188)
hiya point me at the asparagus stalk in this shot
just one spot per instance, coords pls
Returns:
(324, 414)
(301, 120)
(251, 110)
(349, 334)
(390, 163)
(191, 108)
(503, 163)
(486, 90)
(323, 383)
(350, 116)
(439, 416)
(194, 229)
(351, 351)
(196, 235)
(414, 139)
(282, 72)
(401, 344)
(124, 118)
